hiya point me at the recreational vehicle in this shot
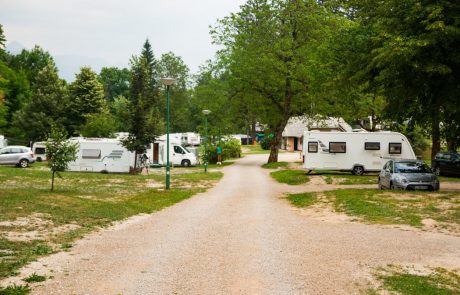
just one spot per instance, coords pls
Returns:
(358, 152)
(39, 150)
(105, 155)
(178, 155)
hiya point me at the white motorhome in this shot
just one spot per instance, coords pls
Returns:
(190, 139)
(105, 155)
(39, 150)
(3, 141)
(178, 155)
(358, 152)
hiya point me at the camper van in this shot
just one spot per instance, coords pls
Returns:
(39, 150)
(105, 155)
(358, 152)
(178, 155)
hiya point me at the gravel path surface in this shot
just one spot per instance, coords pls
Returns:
(238, 238)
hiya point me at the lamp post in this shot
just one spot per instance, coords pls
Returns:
(206, 113)
(167, 82)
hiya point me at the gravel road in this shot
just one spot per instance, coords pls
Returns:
(240, 237)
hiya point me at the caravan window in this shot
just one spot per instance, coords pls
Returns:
(312, 147)
(91, 154)
(40, 151)
(337, 147)
(395, 148)
(372, 146)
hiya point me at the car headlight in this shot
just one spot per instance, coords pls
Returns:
(402, 179)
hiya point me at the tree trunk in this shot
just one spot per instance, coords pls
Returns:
(253, 131)
(435, 136)
(276, 142)
(52, 181)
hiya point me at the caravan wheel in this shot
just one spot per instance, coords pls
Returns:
(358, 170)
(186, 163)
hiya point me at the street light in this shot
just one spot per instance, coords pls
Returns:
(206, 113)
(167, 82)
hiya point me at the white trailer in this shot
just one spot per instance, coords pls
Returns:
(358, 152)
(39, 150)
(105, 155)
(178, 155)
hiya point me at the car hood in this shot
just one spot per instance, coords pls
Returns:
(416, 177)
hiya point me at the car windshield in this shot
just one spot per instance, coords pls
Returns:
(411, 167)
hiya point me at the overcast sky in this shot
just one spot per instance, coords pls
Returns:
(111, 31)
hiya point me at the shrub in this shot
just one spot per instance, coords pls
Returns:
(230, 149)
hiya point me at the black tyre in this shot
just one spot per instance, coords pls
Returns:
(358, 170)
(186, 163)
(23, 163)
(392, 187)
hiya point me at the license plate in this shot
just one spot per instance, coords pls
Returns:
(420, 187)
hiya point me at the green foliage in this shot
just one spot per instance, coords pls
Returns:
(15, 290)
(59, 151)
(46, 106)
(34, 278)
(120, 111)
(266, 143)
(87, 97)
(291, 177)
(115, 82)
(31, 62)
(99, 125)
(2, 38)
(231, 149)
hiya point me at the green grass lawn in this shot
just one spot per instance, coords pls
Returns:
(390, 207)
(437, 281)
(254, 149)
(346, 178)
(275, 165)
(84, 200)
(292, 177)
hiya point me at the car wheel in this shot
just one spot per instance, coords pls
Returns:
(437, 171)
(358, 170)
(185, 163)
(392, 186)
(23, 163)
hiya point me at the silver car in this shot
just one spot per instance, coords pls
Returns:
(408, 175)
(20, 156)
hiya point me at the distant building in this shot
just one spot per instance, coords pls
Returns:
(293, 132)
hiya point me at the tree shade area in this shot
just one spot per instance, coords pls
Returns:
(395, 62)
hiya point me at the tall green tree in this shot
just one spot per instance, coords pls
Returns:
(268, 48)
(87, 97)
(411, 56)
(46, 106)
(31, 62)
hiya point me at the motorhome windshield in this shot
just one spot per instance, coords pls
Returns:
(186, 149)
(411, 167)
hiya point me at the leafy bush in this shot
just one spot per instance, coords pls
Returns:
(230, 149)
(266, 143)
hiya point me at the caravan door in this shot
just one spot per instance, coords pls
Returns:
(177, 155)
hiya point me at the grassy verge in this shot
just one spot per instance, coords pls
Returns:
(385, 207)
(254, 149)
(292, 177)
(449, 179)
(346, 178)
(80, 203)
(275, 165)
(302, 200)
(437, 281)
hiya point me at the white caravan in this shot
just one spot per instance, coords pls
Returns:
(358, 152)
(105, 155)
(39, 150)
(190, 139)
(178, 155)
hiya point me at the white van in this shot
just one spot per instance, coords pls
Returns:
(358, 152)
(39, 150)
(105, 155)
(178, 155)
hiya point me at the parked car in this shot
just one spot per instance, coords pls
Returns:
(446, 163)
(20, 156)
(408, 175)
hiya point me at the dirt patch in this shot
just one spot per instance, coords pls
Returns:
(316, 180)
(153, 184)
(34, 220)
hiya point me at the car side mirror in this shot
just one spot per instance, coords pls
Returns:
(387, 170)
